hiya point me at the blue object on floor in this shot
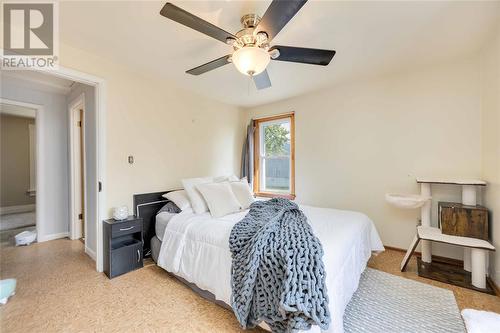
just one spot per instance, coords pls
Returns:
(7, 289)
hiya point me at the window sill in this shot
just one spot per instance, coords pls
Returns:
(275, 195)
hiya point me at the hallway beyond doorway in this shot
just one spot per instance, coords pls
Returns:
(18, 220)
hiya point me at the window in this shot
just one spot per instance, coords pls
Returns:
(274, 163)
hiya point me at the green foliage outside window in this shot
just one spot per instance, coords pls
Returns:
(276, 138)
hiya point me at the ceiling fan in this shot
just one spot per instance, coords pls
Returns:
(252, 50)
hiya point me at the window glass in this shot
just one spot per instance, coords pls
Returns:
(274, 162)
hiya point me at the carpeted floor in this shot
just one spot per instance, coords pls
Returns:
(60, 291)
(18, 220)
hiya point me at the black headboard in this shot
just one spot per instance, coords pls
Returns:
(146, 206)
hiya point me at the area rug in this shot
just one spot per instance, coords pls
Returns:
(392, 304)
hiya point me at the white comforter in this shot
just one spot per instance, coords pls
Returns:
(196, 248)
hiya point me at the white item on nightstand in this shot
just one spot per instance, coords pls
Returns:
(120, 213)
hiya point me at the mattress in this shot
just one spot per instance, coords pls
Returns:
(162, 220)
(195, 247)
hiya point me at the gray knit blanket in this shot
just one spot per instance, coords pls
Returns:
(277, 272)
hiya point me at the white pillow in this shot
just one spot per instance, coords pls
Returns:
(233, 178)
(242, 191)
(220, 198)
(179, 198)
(220, 179)
(197, 202)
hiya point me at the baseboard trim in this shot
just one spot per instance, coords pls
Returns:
(398, 249)
(46, 238)
(17, 209)
(90, 253)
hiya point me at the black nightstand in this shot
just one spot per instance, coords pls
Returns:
(122, 246)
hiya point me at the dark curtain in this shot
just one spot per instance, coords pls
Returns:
(247, 155)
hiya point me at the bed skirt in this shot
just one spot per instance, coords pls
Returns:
(155, 248)
(155, 251)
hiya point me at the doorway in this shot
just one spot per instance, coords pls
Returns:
(77, 169)
(52, 206)
(18, 170)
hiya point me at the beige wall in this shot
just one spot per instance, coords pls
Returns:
(15, 161)
(490, 107)
(172, 133)
(357, 141)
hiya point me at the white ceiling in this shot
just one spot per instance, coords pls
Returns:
(370, 38)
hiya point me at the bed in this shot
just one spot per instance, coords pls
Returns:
(195, 248)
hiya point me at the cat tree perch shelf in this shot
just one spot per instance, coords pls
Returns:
(406, 201)
(475, 250)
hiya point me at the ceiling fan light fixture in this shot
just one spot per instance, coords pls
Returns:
(250, 60)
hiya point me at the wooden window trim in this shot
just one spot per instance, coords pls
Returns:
(256, 166)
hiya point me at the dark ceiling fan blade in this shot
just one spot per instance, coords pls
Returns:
(210, 65)
(181, 16)
(277, 16)
(262, 80)
(303, 55)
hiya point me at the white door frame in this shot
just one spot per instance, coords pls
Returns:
(39, 201)
(100, 108)
(77, 102)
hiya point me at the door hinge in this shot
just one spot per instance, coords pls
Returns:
(79, 123)
(100, 187)
(80, 216)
